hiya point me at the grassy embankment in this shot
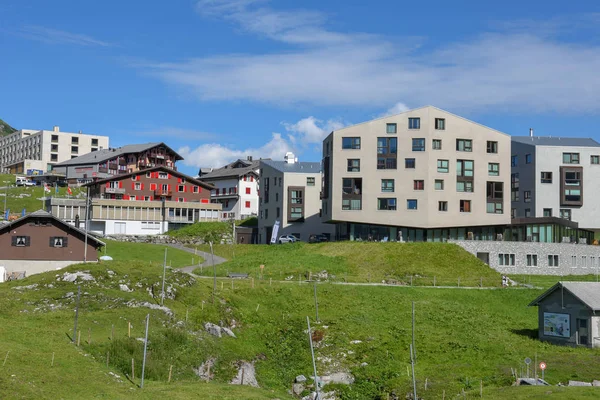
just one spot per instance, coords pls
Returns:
(155, 254)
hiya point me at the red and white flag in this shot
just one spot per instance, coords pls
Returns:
(46, 189)
(69, 191)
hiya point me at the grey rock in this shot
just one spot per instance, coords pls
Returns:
(203, 371)
(213, 329)
(596, 383)
(246, 375)
(300, 379)
(228, 331)
(297, 389)
(125, 288)
(579, 383)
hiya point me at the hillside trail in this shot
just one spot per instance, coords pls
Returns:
(207, 258)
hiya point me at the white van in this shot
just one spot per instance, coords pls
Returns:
(20, 181)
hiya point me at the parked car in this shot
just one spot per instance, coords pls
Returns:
(317, 238)
(30, 183)
(287, 239)
(20, 181)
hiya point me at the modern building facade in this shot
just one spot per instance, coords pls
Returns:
(33, 152)
(289, 199)
(117, 161)
(147, 202)
(556, 177)
(424, 174)
(236, 188)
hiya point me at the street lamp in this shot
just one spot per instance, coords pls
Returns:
(5, 196)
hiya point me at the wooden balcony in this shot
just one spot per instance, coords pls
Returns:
(162, 193)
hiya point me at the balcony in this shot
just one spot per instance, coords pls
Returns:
(114, 190)
(103, 170)
(113, 165)
(162, 193)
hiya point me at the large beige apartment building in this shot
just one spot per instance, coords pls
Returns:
(34, 152)
(424, 174)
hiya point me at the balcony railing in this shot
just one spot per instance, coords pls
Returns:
(162, 193)
(114, 190)
(103, 170)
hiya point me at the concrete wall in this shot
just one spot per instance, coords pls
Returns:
(427, 214)
(562, 302)
(573, 259)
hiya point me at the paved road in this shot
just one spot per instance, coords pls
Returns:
(207, 258)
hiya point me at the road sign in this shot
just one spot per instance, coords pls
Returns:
(528, 361)
(542, 365)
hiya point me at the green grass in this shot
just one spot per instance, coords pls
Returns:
(360, 262)
(5, 128)
(547, 281)
(151, 253)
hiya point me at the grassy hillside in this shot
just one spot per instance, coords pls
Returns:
(151, 253)
(360, 262)
(463, 337)
(5, 129)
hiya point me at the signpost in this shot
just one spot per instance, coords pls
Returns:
(528, 361)
(542, 367)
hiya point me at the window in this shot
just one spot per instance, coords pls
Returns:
(94, 142)
(492, 147)
(295, 204)
(547, 212)
(276, 196)
(20, 241)
(54, 138)
(310, 181)
(506, 260)
(53, 157)
(527, 196)
(386, 153)
(513, 213)
(527, 158)
(570, 158)
(532, 260)
(440, 124)
(573, 195)
(514, 187)
(138, 186)
(267, 213)
(443, 166)
(442, 206)
(58, 241)
(411, 204)
(74, 149)
(553, 260)
(439, 184)
(418, 144)
(353, 165)
(387, 185)
(546, 177)
(94, 149)
(386, 163)
(391, 128)
(414, 123)
(180, 188)
(74, 140)
(388, 204)
(409, 163)
(565, 213)
(513, 161)
(418, 185)
(277, 212)
(464, 186)
(436, 144)
(464, 145)
(527, 212)
(595, 160)
(351, 143)
(352, 194)
(54, 147)
(249, 190)
(493, 169)
(465, 206)
(163, 175)
(495, 197)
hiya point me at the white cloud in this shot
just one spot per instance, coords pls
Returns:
(311, 130)
(395, 109)
(56, 36)
(217, 155)
(510, 68)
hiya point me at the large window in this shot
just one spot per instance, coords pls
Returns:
(492, 147)
(387, 185)
(391, 128)
(572, 186)
(387, 163)
(351, 143)
(506, 260)
(553, 260)
(439, 184)
(388, 204)
(513, 161)
(418, 144)
(353, 165)
(386, 152)
(464, 186)
(595, 160)
(464, 145)
(532, 260)
(409, 163)
(414, 123)
(295, 204)
(412, 204)
(493, 169)
(546, 177)
(495, 197)
(514, 187)
(440, 124)
(464, 168)
(527, 196)
(570, 158)
(352, 194)
(443, 166)
(527, 158)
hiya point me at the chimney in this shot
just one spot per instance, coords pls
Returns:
(56, 128)
(531, 132)
(249, 158)
(290, 158)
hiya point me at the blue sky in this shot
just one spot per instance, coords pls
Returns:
(218, 80)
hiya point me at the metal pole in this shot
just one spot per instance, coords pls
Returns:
(87, 216)
(145, 349)
(414, 349)
(162, 293)
(76, 313)
(214, 271)
(316, 303)
(412, 364)
(312, 352)
(5, 196)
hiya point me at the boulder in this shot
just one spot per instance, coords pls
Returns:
(125, 288)
(213, 329)
(246, 375)
(228, 331)
(300, 379)
(203, 371)
(297, 389)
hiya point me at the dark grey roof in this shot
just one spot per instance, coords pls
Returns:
(45, 214)
(556, 141)
(106, 154)
(230, 171)
(587, 292)
(294, 168)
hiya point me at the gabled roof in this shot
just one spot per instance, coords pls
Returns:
(160, 168)
(556, 141)
(106, 154)
(46, 215)
(294, 168)
(233, 170)
(586, 292)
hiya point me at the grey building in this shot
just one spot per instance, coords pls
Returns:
(567, 314)
(556, 177)
(289, 194)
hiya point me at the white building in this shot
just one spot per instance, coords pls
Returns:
(236, 188)
(34, 152)
(289, 194)
(556, 177)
